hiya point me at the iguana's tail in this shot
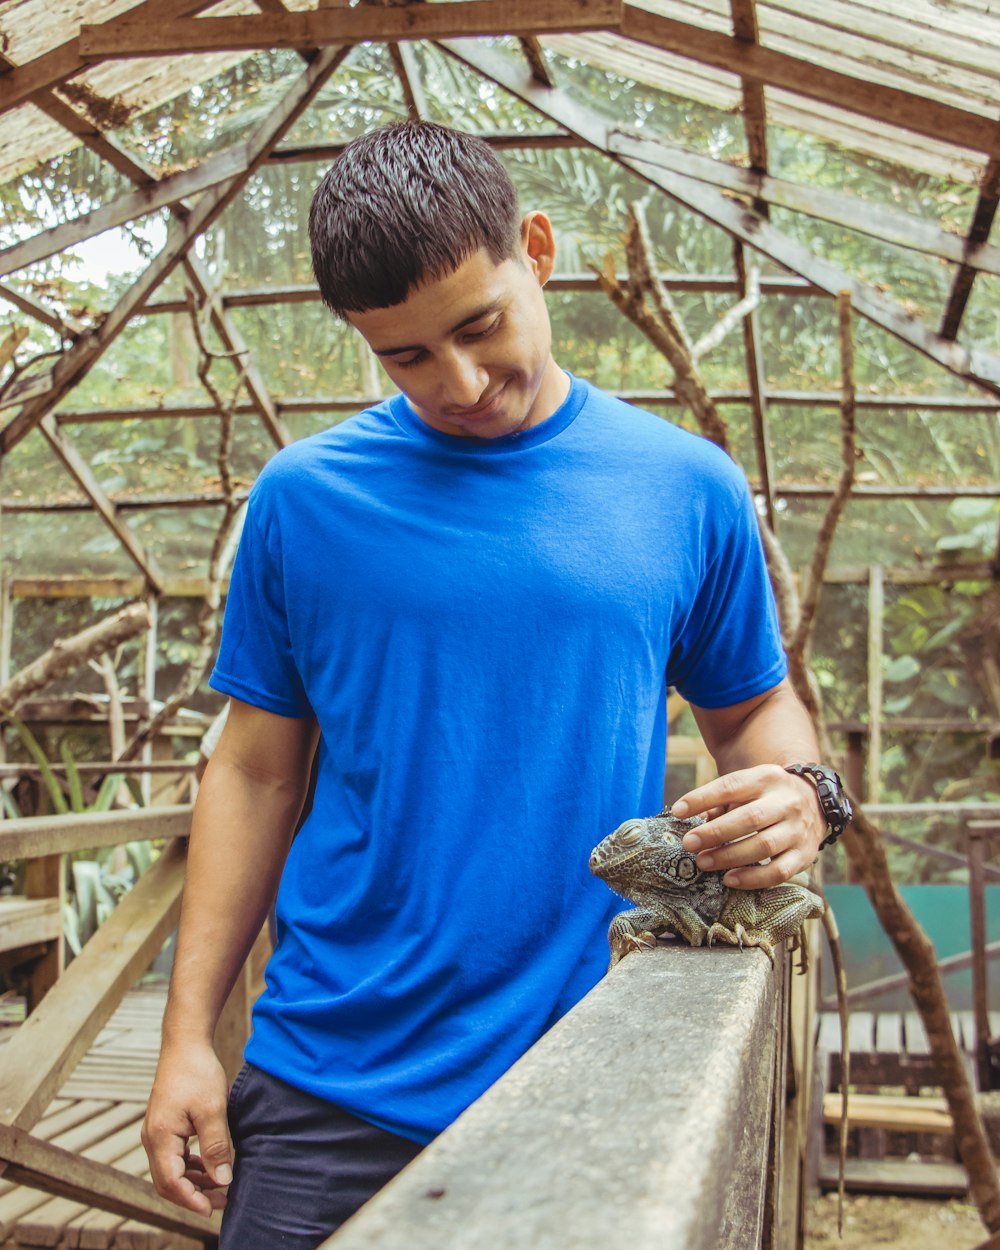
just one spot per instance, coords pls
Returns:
(837, 956)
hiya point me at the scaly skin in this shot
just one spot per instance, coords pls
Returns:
(644, 861)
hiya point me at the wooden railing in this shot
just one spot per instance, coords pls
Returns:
(667, 1109)
(663, 1111)
(68, 1010)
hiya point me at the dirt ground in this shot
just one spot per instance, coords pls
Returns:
(893, 1223)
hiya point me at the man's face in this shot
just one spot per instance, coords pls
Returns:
(471, 351)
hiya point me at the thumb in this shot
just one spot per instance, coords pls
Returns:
(215, 1148)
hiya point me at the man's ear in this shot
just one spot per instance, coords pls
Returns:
(538, 245)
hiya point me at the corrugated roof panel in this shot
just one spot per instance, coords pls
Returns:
(685, 78)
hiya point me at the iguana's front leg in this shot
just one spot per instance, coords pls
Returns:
(636, 929)
(633, 930)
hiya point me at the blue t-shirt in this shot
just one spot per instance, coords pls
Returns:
(485, 631)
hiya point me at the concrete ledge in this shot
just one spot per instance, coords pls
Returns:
(642, 1119)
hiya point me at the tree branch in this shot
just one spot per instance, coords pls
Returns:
(71, 653)
(862, 841)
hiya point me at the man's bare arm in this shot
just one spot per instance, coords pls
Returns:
(757, 810)
(248, 804)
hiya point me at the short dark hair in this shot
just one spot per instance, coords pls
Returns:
(403, 204)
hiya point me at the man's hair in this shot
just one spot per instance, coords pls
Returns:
(405, 204)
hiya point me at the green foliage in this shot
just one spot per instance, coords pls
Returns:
(63, 799)
(301, 351)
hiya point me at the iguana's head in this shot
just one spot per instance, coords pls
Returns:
(645, 855)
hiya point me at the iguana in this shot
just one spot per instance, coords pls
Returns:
(644, 860)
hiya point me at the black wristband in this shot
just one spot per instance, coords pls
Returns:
(837, 810)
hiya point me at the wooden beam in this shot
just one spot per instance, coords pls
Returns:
(173, 189)
(878, 221)
(295, 152)
(756, 376)
(78, 361)
(891, 105)
(958, 404)
(534, 54)
(876, 649)
(40, 1165)
(35, 836)
(71, 587)
(49, 1044)
(744, 14)
(64, 61)
(408, 73)
(322, 27)
(66, 327)
(127, 503)
(978, 367)
(26, 921)
(82, 473)
(100, 768)
(226, 165)
(308, 293)
(154, 195)
(107, 147)
(979, 233)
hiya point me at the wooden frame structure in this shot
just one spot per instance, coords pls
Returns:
(897, 79)
(771, 52)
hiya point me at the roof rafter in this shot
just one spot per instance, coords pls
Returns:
(907, 110)
(745, 29)
(65, 326)
(64, 61)
(978, 367)
(80, 358)
(408, 73)
(173, 189)
(319, 27)
(106, 510)
(153, 195)
(979, 232)
(883, 222)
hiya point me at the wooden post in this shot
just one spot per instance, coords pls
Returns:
(977, 834)
(44, 878)
(876, 603)
(854, 775)
(149, 685)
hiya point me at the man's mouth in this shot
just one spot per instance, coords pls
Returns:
(487, 409)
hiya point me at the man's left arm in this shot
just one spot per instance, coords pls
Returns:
(756, 809)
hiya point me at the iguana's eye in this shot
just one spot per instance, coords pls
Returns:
(629, 835)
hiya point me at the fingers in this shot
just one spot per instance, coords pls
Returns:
(755, 814)
(189, 1100)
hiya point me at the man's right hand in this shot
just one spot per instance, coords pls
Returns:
(188, 1100)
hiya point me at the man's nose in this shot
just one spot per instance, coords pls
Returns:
(465, 380)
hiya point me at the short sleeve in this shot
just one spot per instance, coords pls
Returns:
(256, 662)
(730, 646)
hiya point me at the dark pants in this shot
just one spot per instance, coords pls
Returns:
(303, 1166)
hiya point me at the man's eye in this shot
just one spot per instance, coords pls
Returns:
(485, 332)
(410, 360)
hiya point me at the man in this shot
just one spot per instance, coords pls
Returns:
(473, 597)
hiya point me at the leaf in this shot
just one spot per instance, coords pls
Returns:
(34, 749)
(106, 794)
(9, 805)
(900, 669)
(76, 799)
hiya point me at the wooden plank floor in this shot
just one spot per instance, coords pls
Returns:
(98, 1113)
